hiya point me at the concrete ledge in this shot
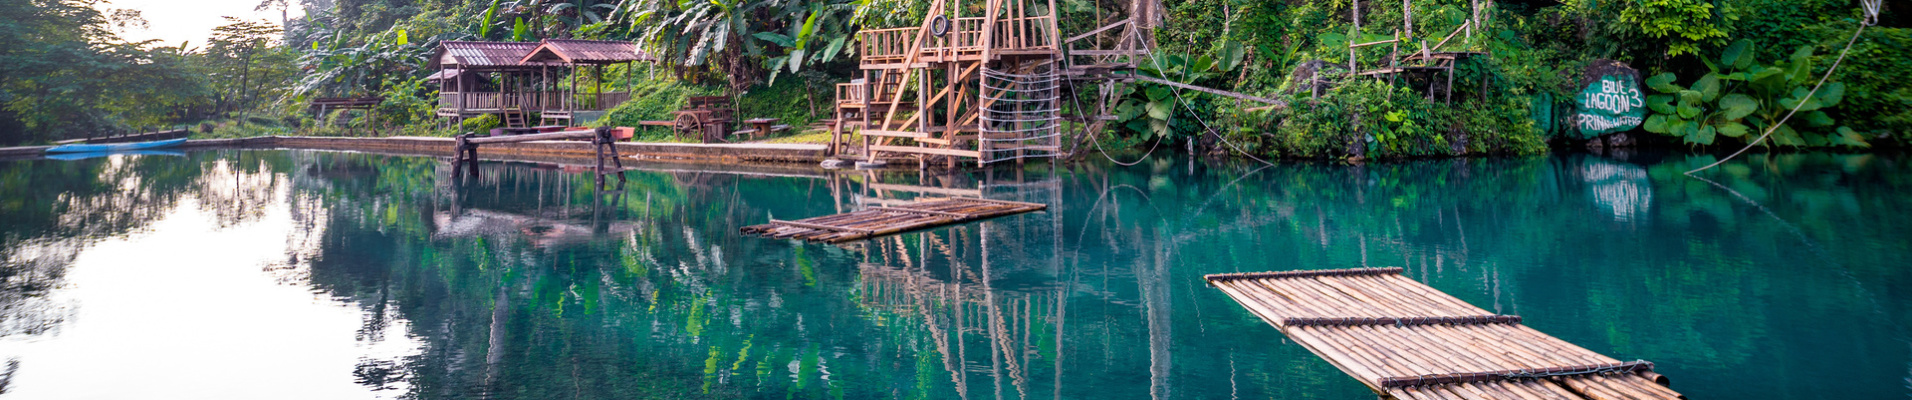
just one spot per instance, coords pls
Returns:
(442, 147)
(26, 151)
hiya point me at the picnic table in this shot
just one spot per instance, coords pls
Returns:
(761, 126)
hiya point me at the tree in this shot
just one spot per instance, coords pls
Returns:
(232, 52)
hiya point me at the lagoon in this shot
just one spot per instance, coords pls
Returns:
(328, 275)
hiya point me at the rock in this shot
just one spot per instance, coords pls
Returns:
(1314, 77)
(1610, 100)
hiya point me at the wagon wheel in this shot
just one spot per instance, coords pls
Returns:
(689, 124)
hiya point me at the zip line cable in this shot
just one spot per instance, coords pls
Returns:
(1191, 109)
(1077, 99)
(1871, 18)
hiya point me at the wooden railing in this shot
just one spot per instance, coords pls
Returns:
(967, 33)
(851, 93)
(1024, 33)
(470, 100)
(880, 46)
(539, 101)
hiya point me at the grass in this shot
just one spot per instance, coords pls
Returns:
(815, 136)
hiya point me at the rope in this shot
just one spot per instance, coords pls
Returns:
(1191, 109)
(1019, 139)
(1015, 130)
(1872, 18)
(986, 85)
(1518, 374)
(1044, 110)
(992, 72)
(1093, 139)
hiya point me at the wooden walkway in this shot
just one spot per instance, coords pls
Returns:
(878, 221)
(1406, 340)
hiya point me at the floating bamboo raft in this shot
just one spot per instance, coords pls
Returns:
(878, 221)
(1406, 340)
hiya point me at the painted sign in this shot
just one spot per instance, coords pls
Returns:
(1611, 102)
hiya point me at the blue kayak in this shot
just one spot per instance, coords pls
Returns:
(97, 148)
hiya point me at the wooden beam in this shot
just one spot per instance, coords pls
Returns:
(535, 136)
(1117, 24)
(1217, 92)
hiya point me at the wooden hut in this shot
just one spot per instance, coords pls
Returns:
(572, 58)
(515, 79)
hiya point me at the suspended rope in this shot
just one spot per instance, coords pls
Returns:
(1019, 130)
(986, 85)
(1094, 140)
(1038, 75)
(1191, 109)
(1871, 18)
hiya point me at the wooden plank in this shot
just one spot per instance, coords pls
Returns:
(912, 210)
(899, 134)
(879, 220)
(927, 150)
(536, 136)
(816, 226)
(1409, 341)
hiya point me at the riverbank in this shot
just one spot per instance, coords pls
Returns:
(442, 147)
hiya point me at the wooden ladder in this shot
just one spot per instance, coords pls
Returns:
(514, 117)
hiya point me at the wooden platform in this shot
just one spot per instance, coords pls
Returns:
(878, 221)
(1406, 340)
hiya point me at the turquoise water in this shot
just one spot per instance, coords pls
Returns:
(292, 274)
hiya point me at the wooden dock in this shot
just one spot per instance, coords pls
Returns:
(878, 220)
(1406, 340)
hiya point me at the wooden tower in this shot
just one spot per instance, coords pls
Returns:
(981, 81)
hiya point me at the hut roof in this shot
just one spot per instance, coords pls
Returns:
(445, 74)
(571, 51)
(496, 55)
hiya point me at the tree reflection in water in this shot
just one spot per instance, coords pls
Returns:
(533, 283)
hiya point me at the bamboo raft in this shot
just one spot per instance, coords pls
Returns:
(1406, 340)
(878, 221)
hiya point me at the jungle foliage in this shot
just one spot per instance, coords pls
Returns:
(1516, 101)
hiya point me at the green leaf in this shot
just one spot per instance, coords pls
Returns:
(830, 52)
(1656, 124)
(1691, 130)
(1847, 137)
(1786, 136)
(1769, 79)
(1231, 54)
(1801, 68)
(1733, 54)
(1736, 106)
(1160, 110)
(1799, 101)
(1732, 129)
(1675, 126)
(1690, 104)
(484, 27)
(778, 38)
(1661, 103)
(1819, 119)
(1814, 139)
(1158, 94)
(1702, 135)
(1664, 83)
(1708, 86)
(1831, 94)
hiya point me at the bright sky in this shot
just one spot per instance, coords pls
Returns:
(174, 21)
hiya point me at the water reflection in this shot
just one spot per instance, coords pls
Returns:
(531, 281)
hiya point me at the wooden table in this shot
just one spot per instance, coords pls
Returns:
(759, 127)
